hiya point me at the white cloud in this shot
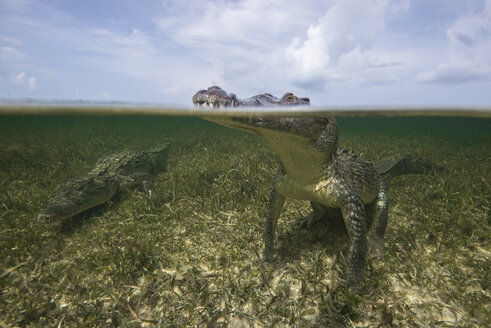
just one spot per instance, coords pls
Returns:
(146, 62)
(22, 80)
(255, 46)
(332, 50)
(467, 56)
(32, 83)
(338, 43)
(11, 54)
(257, 21)
(251, 22)
(13, 41)
(130, 53)
(399, 7)
(240, 43)
(16, 5)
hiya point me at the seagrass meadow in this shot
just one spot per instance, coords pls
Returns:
(190, 255)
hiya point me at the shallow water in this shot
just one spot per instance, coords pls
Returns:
(190, 254)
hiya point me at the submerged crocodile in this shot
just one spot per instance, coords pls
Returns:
(111, 174)
(314, 168)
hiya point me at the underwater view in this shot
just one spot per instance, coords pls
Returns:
(180, 243)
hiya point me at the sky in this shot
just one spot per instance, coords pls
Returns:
(337, 52)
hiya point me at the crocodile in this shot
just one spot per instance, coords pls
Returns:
(110, 175)
(314, 168)
(216, 97)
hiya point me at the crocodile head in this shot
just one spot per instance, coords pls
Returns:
(79, 195)
(289, 99)
(215, 97)
(304, 144)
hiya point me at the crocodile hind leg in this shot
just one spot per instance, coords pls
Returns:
(276, 202)
(330, 215)
(379, 224)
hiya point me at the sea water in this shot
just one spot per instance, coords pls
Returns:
(190, 255)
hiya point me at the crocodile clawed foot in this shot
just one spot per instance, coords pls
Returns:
(148, 193)
(354, 285)
(308, 221)
(376, 249)
(269, 258)
(354, 289)
(43, 218)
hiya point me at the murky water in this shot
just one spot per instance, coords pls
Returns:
(189, 254)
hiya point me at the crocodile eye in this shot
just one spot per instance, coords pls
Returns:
(289, 96)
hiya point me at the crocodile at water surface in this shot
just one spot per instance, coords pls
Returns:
(314, 168)
(217, 97)
(110, 175)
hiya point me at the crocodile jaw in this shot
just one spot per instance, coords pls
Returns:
(78, 196)
(291, 138)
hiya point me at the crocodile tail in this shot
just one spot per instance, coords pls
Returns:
(392, 167)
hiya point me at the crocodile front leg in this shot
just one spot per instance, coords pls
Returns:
(354, 217)
(144, 180)
(276, 202)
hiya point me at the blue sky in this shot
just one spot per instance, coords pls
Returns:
(337, 52)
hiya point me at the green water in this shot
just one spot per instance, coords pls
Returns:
(189, 256)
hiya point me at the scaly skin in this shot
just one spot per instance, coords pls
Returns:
(315, 169)
(110, 175)
(217, 97)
